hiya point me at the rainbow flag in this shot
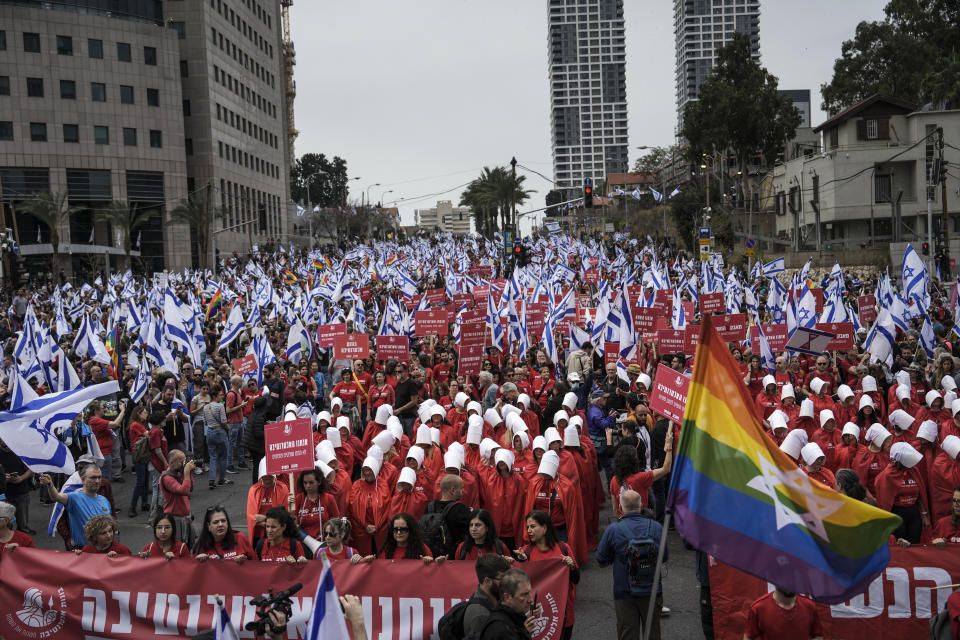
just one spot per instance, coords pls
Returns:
(736, 496)
(289, 277)
(390, 261)
(317, 264)
(376, 276)
(327, 262)
(215, 303)
(113, 349)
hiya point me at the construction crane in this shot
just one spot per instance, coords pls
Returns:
(289, 60)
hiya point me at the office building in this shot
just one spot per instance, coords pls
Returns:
(444, 218)
(588, 96)
(700, 27)
(801, 100)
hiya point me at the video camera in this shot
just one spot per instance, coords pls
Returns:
(272, 601)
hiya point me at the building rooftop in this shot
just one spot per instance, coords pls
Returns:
(631, 178)
(859, 107)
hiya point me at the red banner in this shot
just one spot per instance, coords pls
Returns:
(480, 292)
(436, 296)
(663, 300)
(712, 303)
(353, 346)
(460, 299)
(364, 293)
(62, 596)
(289, 446)
(867, 308)
(733, 327)
(898, 604)
(327, 332)
(246, 364)
(591, 276)
(413, 302)
(393, 347)
(471, 359)
(611, 352)
(691, 338)
(473, 333)
(669, 394)
(776, 335)
(671, 340)
(842, 335)
(431, 323)
(644, 318)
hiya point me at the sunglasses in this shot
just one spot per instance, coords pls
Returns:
(401, 530)
(330, 534)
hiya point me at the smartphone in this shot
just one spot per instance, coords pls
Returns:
(536, 598)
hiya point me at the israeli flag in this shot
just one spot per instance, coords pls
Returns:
(766, 353)
(678, 318)
(140, 382)
(326, 620)
(773, 267)
(73, 483)
(927, 340)
(915, 278)
(234, 327)
(298, 343)
(635, 194)
(656, 195)
(879, 342)
(675, 192)
(806, 309)
(300, 211)
(223, 628)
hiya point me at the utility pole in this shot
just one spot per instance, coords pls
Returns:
(212, 249)
(513, 172)
(930, 252)
(945, 220)
(3, 229)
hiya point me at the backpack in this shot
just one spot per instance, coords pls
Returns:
(940, 626)
(498, 546)
(640, 556)
(436, 531)
(450, 626)
(259, 547)
(141, 449)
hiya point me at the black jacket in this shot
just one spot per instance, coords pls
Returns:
(504, 624)
(253, 433)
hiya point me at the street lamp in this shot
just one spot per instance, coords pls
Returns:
(384, 194)
(375, 184)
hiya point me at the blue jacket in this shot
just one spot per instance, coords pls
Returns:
(613, 545)
(598, 422)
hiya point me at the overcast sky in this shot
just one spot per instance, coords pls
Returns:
(420, 96)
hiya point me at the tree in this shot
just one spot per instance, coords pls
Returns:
(911, 54)
(54, 211)
(127, 219)
(495, 191)
(554, 196)
(739, 109)
(201, 216)
(652, 161)
(319, 181)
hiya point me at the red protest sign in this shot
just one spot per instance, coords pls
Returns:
(244, 365)
(688, 312)
(364, 293)
(351, 346)
(691, 338)
(611, 352)
(289, 446)
(432, 322)
(867, 307)
(644, 318)
(471, 359)
(436, 296)
(669, 394)
(480, 292)
(663, 300)
(327, 332)
(712, 303)
(671, 340)
(776, 335)
(474, 315)
(473, 333)
(536, 320)
(732, 327)
(393, 347)
(460, 299)
(842, 335)
(414, 302)
(591, 276)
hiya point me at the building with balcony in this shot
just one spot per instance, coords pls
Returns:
(444, 218)
(868, 183)
(588, 96)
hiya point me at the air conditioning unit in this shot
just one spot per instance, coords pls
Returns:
(893, 144)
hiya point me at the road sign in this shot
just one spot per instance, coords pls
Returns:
(750, 252)
(751, 243)
(704, 233)
(704, 241)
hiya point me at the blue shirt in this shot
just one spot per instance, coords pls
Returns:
(80, 508)
(598, 422)
(613, 545)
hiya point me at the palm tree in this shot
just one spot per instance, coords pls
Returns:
(126, 218)
(495, 191)
(197, 213)
(54, 211)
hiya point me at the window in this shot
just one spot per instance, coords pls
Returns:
(123, 52)
(64, 46)
(31, 42)
(6, 130)
(98, 92)
(129, 137)
(38, 132)
(186, 107)
(101, 135)
(3, 40)
(150, 56)
(184, 69)
(71, 133)
(153, 97)
(156, 139)
(4, 85)
(95, 48)
(126, 94)
(188, 146)
(871, 129)
(68, 90)
(35, 87)
(180, 28)
(883, 188)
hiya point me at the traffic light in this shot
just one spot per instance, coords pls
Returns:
(925, 247)
(523, 258)
(588, 192)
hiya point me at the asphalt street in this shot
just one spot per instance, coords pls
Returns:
(595, 613)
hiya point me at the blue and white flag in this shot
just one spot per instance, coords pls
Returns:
(880, 340)
(927, 340)
(73, 483)
(767, 360)
(635, 194)
(140, 383)
(223, 628)
(773, 267)
(915, 279)
(234, 327)
(326, 620)
(656, 195)
(675, 192)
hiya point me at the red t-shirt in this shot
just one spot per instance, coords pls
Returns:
(101, 429)
(639, 482)
(279, 553)
(241, 546)
(19, 538)
(347, 391)
(116, 546)
(136, 430)
(380, 396)
(543, 503)
(400, 553)
(345, 553)
(944, 528)
(234, 398)
(153, 550)
(158, 441)
(311, 514)
(767, 620)
(441, 373)
(557, 551)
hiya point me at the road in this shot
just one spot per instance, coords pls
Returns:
(595, 614)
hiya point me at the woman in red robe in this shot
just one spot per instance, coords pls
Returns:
(902, 489)
(551, 492)
(406, 498)
(502, 493)
(261, 497)
(368, 507)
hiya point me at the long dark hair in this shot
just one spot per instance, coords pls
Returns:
(490, 540)
(626, 462)
(849, 483)
(543, 519)
(173, 526)
(205, 541)
(414, 538)
(321, 481)
(281, 515)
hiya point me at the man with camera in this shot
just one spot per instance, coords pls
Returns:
(516, 615)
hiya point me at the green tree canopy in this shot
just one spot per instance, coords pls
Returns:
(495, 191)
(319, 181)
(739, 108)
(53, 210)
(126, 218)
(201, 216)
(912, 54)
(652, 161)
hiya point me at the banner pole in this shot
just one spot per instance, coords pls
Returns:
(648, 623)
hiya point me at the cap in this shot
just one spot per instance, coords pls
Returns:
(634, 368)
(951, 444)
(407, 476)
(811, 452)
(573, 376)
(928, 431)
(596, 394)
(333, 437)
(905, 454)
(451, 460)
(549, 464)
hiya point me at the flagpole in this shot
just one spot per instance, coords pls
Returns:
(648, 622)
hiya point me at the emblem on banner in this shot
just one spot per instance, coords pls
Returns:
(549, 626)
(287, 429)
(47, 621)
